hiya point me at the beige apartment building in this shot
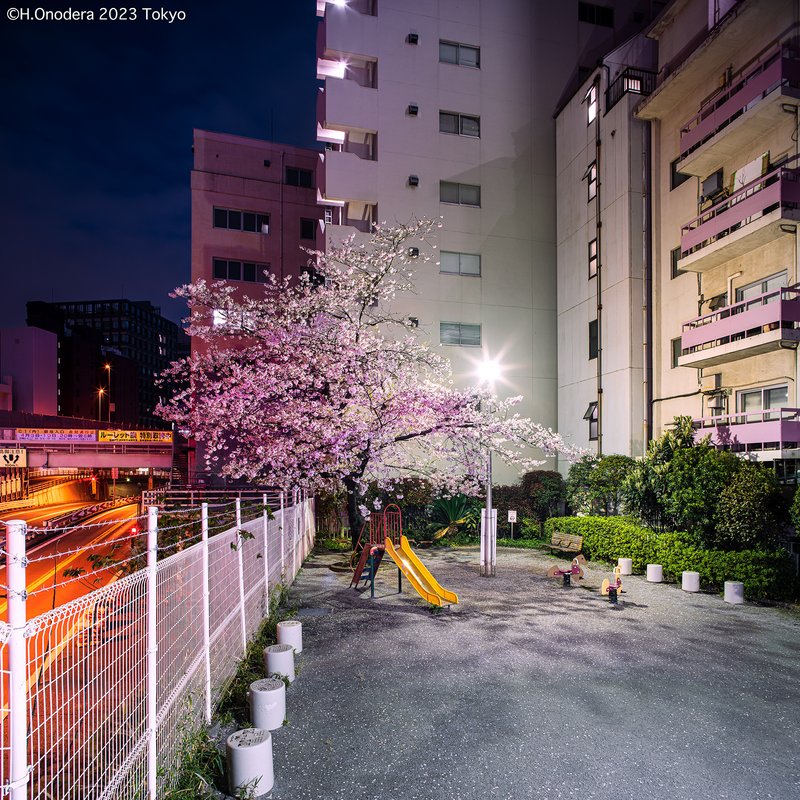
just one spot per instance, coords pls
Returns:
(724, 122)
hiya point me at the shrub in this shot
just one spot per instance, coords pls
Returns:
(594, 484)
(545, 492)
(509, 498)
(765, 574)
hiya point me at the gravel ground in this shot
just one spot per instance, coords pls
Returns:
(529, 690)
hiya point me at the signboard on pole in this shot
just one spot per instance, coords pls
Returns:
(13, 457)
(512, 516)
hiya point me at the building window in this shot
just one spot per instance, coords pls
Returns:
(594, 341)
(462, 194)
(591, 104)
(463, 124)
(676, 352)
(462, 54)
(308, 229)
(676, 178)
(295, 176)
(593, 258)
(596, 15)
(234, 220)
(459, 263)
(675, 257)
(769, 397)
(591, 180)
(591, 417)
(758, 288)
(231, 270)
(461, 333)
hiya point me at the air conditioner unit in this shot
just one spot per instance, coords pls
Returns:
(265, 228)
(413, 180)
(716, 402)
(412, 38)
(413, 252)
(413, 109)
(711, 186)
(711, 382)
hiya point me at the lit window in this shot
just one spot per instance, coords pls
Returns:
(462, 54)
(460, 333)
(591, 103)
(591, 178)
(593, 258)
(450, 122)
(463, 194)
(459, 263)
(591, 417)
(594, 340)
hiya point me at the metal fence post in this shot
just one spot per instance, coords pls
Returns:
(206, 611)
(294, 532)
(17, 658)
(283, 535)
(152, 652)
(240, 561)
(266, 550)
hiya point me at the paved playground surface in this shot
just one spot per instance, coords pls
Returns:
(528, 690)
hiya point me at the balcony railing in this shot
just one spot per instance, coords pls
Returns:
(739, 330)
(751, 431)
(630, 81)
(775, 68)
(779, 188)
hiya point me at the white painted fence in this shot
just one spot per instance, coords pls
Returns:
(98, 694)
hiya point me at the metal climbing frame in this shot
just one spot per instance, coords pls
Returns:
(387, 524)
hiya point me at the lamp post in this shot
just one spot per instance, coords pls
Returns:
(107, 367)
(100, 393)
(488, 373)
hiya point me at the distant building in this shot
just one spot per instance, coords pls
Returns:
(28, 370)
(130, 336)
(254, 206)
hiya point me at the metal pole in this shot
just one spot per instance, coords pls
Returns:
(265, 517)
(491, 531)
(283, 535)
(152, 651)
(17, 658)
(240, 560)
(206, 610)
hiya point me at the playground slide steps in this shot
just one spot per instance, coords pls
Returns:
(363, 564)
(418, 575)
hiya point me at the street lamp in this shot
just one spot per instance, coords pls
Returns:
(489, 372)
(107, 367)
(100, 393)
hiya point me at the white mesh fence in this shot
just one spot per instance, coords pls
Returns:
(106, 719)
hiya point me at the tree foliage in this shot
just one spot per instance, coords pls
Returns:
(545, 492)
(595, 484)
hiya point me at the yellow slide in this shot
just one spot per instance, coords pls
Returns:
(417, 573)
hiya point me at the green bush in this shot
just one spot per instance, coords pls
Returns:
(594, 484)
(765, 574)
(545, 491)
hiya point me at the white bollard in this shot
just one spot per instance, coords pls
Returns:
(625, 566)
(279, 660)
(268, 703)
(250, 762)
(655, 573)
(290, 631)
(734, 592)
(690, 581)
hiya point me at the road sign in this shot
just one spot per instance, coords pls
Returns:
(13, 457)
(512, 516)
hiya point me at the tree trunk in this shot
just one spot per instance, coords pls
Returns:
(353, 517)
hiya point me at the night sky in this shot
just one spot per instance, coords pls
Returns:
(96, 136)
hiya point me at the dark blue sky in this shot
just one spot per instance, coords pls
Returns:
(96, 136)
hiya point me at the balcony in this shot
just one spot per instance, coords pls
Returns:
(745, 220)
(346, 105)
(350, 178)
(631, 80)
(347, 31)
(770, 434)
(745, 112)
(759, 325)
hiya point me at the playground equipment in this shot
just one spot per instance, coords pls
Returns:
(386, 536)
(574, 569)
(607, 588)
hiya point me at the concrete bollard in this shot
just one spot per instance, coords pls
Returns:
(279, 660)
(268, 703)
(655, 573)
(734, 592)
(250, 762)
(690, 581)
(290, 631)
(625, 566)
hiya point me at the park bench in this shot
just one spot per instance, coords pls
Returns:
(566, 542)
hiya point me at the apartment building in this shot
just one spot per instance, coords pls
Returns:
(446, 110)
(724, 122)
(603, 229)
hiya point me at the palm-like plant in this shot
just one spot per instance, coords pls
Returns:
(453, 512)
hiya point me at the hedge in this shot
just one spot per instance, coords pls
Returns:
(765, 574)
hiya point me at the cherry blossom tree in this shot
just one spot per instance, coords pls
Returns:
(318, 382)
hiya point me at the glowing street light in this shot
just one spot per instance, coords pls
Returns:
(108, 368)
(100, 393)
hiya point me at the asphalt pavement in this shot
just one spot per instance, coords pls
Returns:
(530, 690)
